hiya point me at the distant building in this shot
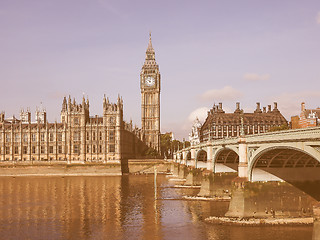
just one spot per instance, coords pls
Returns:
(194, 136)
(78, 137)
(223, 125)
(307, 118)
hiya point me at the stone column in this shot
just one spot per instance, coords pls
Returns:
(184, 157)
(193, 156)
(243, 158)
(209, 159)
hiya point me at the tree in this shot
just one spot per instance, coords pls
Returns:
(279, 128)
(168, 145)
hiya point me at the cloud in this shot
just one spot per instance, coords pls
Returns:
(256, 77)
(289, 103)
(318, 18)
(200, 113)
(224, 94)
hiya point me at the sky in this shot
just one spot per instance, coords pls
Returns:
(208, 52)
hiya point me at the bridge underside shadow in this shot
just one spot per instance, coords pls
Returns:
(293, 166)
(227, 161)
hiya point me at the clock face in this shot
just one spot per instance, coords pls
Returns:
(150, 81)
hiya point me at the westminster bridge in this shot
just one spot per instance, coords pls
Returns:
(291, 155)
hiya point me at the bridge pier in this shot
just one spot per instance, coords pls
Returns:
(194, 177)
(316, 222)
(216, 184)
(267, 200)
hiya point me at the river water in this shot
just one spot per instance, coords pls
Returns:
(117, 208)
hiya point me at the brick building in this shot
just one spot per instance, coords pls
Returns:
(219, 124)
(306, 118)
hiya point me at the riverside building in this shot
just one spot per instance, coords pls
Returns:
(219, 124)
(80, 137)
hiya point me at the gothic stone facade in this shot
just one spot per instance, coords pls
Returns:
(223, 125)
(78, 138)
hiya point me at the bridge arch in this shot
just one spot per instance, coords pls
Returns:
(227, 156)
(297, 165)
(201, 158)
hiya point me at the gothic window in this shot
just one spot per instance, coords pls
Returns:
(94, 149)
(17, 137)
(7, 150)
(51, 137)
(111, 135)
(16, 150)
(88, 136)
(112, 148)
(25, 149)
(59, 137)
(100, 149)
(42, 137)
(8, 137)
(76, 121)
(33, 149)
(25, 137)
(42, 149)
(34, 137)
(51, 149)
(59, 149)
(100, 136)
(76, 136)
(76, 149)
(111, 120)
(93, 136)
(88, 149)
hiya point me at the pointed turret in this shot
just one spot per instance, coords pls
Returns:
(64, 105)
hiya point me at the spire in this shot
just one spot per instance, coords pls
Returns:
(64, 104)
(150, 48)
(150, 54)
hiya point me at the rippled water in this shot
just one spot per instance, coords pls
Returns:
(116, 208)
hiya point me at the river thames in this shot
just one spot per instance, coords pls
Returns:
(120, 207)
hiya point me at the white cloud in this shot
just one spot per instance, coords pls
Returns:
(224, 94)
(318, 18)
(256, 77)
(200, 113)
(289, 103)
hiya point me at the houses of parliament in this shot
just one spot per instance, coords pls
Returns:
(80, 137)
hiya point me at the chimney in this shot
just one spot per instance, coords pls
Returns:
(220, 106)
(258, 110)
(264, 109)
(303, 107)
(237, 108)
(275, 105)
(269, 108)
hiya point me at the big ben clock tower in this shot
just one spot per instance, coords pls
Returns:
(150, 99)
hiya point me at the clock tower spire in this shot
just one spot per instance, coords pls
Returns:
(150, 99)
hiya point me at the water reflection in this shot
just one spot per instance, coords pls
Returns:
(115, 208)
